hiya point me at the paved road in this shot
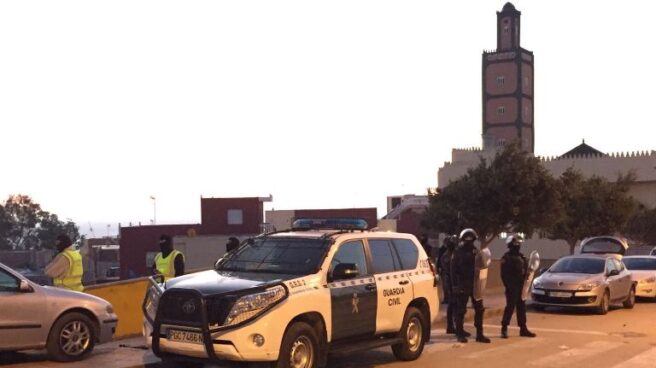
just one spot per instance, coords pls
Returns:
(623, 338)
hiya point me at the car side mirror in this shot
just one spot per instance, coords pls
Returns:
(613, 273)
(344, 271)
(25, 287)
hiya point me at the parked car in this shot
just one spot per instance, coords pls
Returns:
(66, 323)
(323, 287)
(643, 271)
(605, 245)
(585, 281)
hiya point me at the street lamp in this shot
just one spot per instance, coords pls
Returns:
(154, 209)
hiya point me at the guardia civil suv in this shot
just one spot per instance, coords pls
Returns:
(295, 297)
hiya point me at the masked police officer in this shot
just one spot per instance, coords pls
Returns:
(463, 276)
(444, 265)
(66, 269)
(514, 268)
(169, 262)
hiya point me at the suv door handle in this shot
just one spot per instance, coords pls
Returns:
(370, 287)
(404, 282)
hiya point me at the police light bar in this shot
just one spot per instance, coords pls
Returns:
(333, 224)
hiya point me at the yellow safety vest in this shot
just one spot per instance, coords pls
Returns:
(72, 280)
(166, 266)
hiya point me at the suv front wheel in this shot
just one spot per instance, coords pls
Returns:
(412, 332)
(300, 347)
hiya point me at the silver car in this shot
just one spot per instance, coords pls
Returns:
(643, 270)
(585, 281)
(67, 323)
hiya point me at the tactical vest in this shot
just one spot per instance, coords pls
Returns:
(166, 266)
(72, 280)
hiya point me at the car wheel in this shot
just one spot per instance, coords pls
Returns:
(299, 348)
(412, 332)
(604, 304)
(630, 300)
(72, 337)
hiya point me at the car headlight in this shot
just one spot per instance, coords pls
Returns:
(649, 280)
(589, 285)
(109, 309)
(537, 283)
(249, 306)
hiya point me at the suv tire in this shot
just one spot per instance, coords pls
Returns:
(72, 337)
(299, 348)
(412, 332)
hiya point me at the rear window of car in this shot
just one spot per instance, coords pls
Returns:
(579, 265)
(602, 246)
(408, 253)
(383, 256)
(640, 264)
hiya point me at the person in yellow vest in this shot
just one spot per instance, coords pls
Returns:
(169, 262)
(66, 268)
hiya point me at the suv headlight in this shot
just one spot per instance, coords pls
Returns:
(589, 285)
(250, 306)
(648, 280)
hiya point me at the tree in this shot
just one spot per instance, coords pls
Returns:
(641, 227)
(592, 206)
(512, 193)
(24, 225)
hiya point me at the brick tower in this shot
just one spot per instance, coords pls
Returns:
(508, 86)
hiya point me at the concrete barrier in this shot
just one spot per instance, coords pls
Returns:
(126, 297)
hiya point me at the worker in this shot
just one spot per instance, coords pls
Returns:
(66, 269)
(169, 262)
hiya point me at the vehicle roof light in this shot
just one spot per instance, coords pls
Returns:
(333, 224)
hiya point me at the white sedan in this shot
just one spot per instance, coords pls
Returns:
(643, 271)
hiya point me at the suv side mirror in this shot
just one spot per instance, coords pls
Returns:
(613, 273)
(25, 287)
(345, 271)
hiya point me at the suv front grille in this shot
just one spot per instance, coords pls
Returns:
(218, 309)
(180, 307)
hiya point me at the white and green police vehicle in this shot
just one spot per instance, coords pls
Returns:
(295, 297)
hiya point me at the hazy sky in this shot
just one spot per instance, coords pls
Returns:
(321, 104)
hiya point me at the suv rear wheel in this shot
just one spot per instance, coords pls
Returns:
(412, 332)
(300, 347)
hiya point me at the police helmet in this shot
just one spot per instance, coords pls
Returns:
(468, 234)
(516, 239)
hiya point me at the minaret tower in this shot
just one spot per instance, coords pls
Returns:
(508, 86)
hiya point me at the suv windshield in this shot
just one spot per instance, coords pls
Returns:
(640, 264)
(578, 265)
(297, 256)
(603, 245)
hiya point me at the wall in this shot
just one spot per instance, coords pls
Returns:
(126, 298)
(214, 215)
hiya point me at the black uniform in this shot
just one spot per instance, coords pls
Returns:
(444, 264)
(462, 279)
(514, 268)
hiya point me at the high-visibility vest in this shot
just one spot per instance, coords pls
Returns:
(166, 265)
(72, 280)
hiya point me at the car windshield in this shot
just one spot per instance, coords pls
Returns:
(640, 264)
(578, 265)
(298, 256)
(604, 245)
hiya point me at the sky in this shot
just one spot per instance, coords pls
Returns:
(328, 104)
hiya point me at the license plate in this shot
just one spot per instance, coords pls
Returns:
(185, 336)
(560, 294)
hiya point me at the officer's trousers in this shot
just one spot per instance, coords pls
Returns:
(461, 310)
(514, 301)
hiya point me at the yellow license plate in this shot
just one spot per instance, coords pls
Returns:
(185, 336)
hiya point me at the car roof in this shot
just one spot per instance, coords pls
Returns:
(340, 234)
(622, 241)
(591, 256)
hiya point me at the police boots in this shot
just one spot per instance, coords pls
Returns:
(524, 332)
(482, 338)
(504, 332)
